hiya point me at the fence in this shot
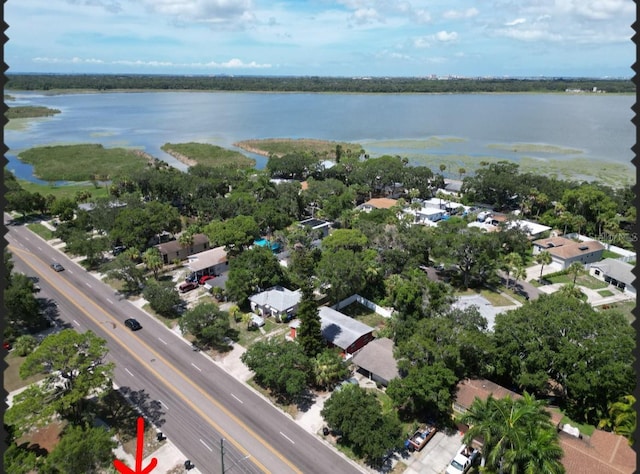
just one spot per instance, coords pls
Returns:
(384, 312)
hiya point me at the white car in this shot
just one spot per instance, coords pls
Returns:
(465, 458)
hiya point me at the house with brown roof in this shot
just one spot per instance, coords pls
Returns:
(566, 251)
(377, 203)
(602, 452)
(174, 250)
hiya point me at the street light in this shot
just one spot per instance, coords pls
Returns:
(222, 458)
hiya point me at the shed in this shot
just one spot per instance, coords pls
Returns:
(343, 331)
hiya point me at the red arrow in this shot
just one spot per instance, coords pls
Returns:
(124, 469)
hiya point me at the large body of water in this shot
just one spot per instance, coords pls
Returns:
(596, 127)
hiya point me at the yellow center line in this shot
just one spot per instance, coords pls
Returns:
(172, 387)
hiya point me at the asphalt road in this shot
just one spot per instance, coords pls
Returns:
(194, 402)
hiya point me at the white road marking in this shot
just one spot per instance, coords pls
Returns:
(39, 248)
(205, 445)
(287, 438)
(109, 301)
(128, 371)
(87, 284)
(77, 323)
(237, 398)
(163, 404)
(162, 341)
(26, 238)
(70, 271)
(196, 366)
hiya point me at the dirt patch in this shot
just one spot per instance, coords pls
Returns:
(45, 438)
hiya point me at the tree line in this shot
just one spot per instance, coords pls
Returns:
(107, 82)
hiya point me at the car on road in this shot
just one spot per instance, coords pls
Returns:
(57, 267)
(132, 324)
(187, 286)
(204, 278)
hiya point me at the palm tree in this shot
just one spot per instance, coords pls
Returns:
(543, 258)
(575, 269)
(328, 368)
(572, 291)
(510, 263)
(186, 239)
(517, 435)
(622, 418)
(153, 260)
(461, 171)
(519, 273)
(442, 168)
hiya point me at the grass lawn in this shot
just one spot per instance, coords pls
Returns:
(605, 293)
(495, 298)
(46, 437)
(291, 409)
(12, 380)
(584, 429)
(625, 307)
(169, 322)
(68, 190)
(246, 337)
(364, 315)
(584, 279)
(41, 230)
(610, 254)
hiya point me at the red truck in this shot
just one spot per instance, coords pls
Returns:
(420, 438)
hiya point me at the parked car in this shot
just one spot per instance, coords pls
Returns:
(57, 267)
(204, 278)
(187, 286)
(132, 324)
(118, 249)
(191, 277)
(463, 460)
(6, 345)
(420, 438)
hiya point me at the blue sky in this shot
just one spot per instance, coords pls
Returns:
(470, 38)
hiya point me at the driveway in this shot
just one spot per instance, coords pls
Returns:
(435, 456)
(486, 309)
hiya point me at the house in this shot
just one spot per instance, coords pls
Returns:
(342, 331)
(602, 452)
(174, 250)
(533, 229)
(279, 302)
(426, 215)
(376, 361)
(213, 261)
(452, 186)
(566, 251)
(616, 273)
(317, 226)
(377, 203)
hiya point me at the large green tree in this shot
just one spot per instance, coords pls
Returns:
(207, 322)
(162, 297)
(329, 368)
(235, 234)
(74, 368)
(517, 435)
(253, 270)
(280, 366)
(309, 334)
(562, 341)
(357, 415)
(82, 449)
(22, 308)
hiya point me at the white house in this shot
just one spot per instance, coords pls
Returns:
(616, 273)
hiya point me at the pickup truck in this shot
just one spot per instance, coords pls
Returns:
(463, 460)
(420, 438)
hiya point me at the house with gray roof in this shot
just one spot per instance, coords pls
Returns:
(376, 361)
(277, 301)
(343, 331)
(616, 273)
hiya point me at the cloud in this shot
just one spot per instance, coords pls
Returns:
(365, 15)
(458, 14)
(445, 36)
(202, 10)
(234, 63)
(109, 5)
(517, 21)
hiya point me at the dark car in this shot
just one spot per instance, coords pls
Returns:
(192, 277)
(57, 267)
(204, 278)
(118, 249)
(132, 324)
(188, 286)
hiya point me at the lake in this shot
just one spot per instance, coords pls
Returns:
(578, 134)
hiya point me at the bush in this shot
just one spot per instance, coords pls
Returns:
(24, 345)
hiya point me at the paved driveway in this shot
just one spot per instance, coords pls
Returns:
(486, 309)
(436, 455)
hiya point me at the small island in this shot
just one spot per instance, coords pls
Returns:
(192, 154)
(323, 149)
(29, 111)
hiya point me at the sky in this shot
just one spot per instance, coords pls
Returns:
(346, 38)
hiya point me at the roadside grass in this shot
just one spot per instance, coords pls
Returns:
(67, 190)
(209, 155)
(169, 322)
(41, 230)
(248, 337)
(82, 162)
(290, 408)
(494, 297)
(364, 315)
(12, 380)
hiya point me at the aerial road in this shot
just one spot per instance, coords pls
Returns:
(193, 401)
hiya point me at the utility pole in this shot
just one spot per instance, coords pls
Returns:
(222, 453)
